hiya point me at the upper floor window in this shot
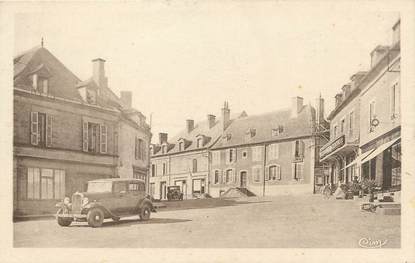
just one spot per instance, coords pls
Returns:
(230, 155)
(351, 123)
(244, 154)
(256, 153)
(153, 170)
(298, 149)
(194, 165)
(215, 157)
(41, 129)
(40, 84)
(372, 115)
(139, 149)
(164, 168)
(342, 125)
(273, 151)
(151, 149)
(94, 137)
(335, 131)
(250, 133)
(394, 104)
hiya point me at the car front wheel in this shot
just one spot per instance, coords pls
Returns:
(145, 212)
(95, 217)
(63, 221)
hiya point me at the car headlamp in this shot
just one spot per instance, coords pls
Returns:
(66, 201)
(85, 201)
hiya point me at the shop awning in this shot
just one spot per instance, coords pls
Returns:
(359, 158)
(379, 150)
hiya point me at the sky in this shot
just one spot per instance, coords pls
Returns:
(182, 60)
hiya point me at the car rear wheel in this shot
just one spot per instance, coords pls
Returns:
(95, 217)
(63, 221)
(145, 212)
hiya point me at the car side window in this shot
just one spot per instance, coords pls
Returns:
(118, 187)
(133, 187)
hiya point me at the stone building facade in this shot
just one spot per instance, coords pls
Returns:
(184, 159)
(267, 154)
(68, 131)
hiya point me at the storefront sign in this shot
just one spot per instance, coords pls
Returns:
(336, 144)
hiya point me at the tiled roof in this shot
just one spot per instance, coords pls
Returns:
(62, 81)
(263, 125)
(201, 128)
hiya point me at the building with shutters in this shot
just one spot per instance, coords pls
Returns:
(267, 154)
(184, 159)
(380, 116)
(340, 152)
(68, 131)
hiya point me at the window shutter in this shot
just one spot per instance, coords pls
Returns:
(278, 172)
(85, 136)
(267, 174)
(34, 128)
(277, 151)
(300, 171)
(21, 183)
(293, 149)
(293, 171)
(34, 83)
(103, 138)
(135, 148)
(49, 120)
(302, 148)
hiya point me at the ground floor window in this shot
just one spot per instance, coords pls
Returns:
(41, 184)
(139, 175)
(198, 186)
(396, 164)
(216, 179)
(298, 171)
(229, 175)
(152, 188)
(256, 173)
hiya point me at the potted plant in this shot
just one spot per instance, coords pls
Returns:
(368, 185)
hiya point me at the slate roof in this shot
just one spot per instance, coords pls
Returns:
(263, 125)
(62, 81)
(201, 128)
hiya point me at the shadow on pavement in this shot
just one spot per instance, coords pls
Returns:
(136, 221)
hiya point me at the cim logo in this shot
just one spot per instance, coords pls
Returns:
(369, 243)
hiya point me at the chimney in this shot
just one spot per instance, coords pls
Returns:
(126, 98)
(211, 120)
(98, 72)
(226, 115)
(190, 125)
(319, 109)
(162, 137)
(296, 106)
(377, 54)
(396, 34)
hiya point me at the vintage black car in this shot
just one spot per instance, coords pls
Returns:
(174, 193)
(106, 198)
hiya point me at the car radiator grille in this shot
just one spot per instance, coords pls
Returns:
(76, 203)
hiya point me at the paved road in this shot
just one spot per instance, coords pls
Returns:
(279, 222)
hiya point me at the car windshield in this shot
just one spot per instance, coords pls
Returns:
(99, 187)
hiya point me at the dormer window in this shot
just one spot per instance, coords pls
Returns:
(151, 150)
(227, 137)
(164, 149)
(40, 84)
(277, 131)
(181, 146)
(91, 96)
(250, 133)
(199, 142)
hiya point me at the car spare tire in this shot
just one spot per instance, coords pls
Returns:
(63, 221)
